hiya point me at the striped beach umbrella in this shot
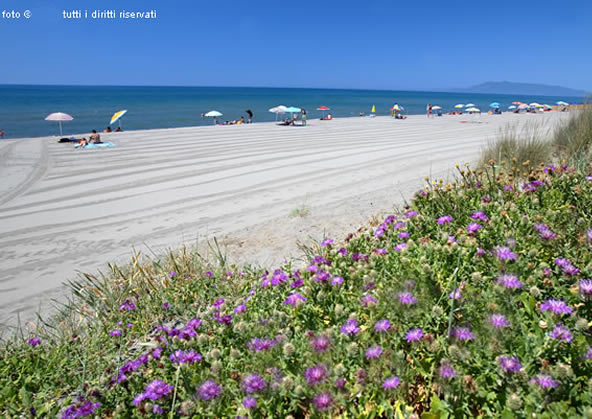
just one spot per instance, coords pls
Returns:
(459, 106)
(117, 117)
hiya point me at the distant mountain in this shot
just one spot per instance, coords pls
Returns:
(510, 88)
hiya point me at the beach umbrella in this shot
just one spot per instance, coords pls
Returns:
(277, 110)
(512, 107)
(59, 116)
(323, 108)
(523, 106)
(517, 103)
(373, 109)
(469, 105)
(397, 107)
(473, 109)
(547, 106)
(435, 108)
(214, 114)
(292, 110)
(561, 103)
(117, 117)
(459, 106)
(494, 105)
(533, 105)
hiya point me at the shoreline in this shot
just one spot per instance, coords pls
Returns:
(161, 188)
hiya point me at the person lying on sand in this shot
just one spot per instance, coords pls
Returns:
(94, 137)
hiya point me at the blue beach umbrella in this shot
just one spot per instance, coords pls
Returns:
(494, 105)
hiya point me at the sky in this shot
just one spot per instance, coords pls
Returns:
(376, 44)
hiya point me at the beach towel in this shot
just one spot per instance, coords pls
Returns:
(97, 145)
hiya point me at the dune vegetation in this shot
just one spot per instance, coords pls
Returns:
(474, 301)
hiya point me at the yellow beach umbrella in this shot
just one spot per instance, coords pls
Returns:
(116, 116)
(373, 109)
(459, 106)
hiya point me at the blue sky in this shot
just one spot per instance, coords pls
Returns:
(336, 44)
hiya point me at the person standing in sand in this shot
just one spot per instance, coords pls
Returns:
(303, 116)
(429, 109)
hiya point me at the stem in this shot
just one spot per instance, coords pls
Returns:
(175, 392)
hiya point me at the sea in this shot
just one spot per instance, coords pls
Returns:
(23, 108)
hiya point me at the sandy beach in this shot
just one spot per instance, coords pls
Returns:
(63, 210)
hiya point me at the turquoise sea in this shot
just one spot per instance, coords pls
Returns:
(23, 108)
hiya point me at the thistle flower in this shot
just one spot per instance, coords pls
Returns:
(240, 308)
(209, 390)
(406, 298)
(382, 325)
(373, 352)
(414, 335)
(391, 383)
(157, 409)
(444, 219)
(127, 306)
(320, 343)
(294, 299)
(504, 253)
(115, 332)
(498, 321)
(322, 401)
(165, 305)
(350, 327)
(586, 287)
(455, 294)
(462, 333)
(336, 281)
(472, 228)
(259, 345)
(81, 409)
(561, 333)
(544, 381)
(556, 307)
(545, 232)
(185, 357)
(509, 364)
(509, 281)
(403, 235)
(588, 355)
(411, 214)
(250, 402)
(156, 390)
(327, 242)
(316, 374)
(480, 215)
(589, 234)
(446, 370)
(253, 383)
(368, 299)
(400, 247)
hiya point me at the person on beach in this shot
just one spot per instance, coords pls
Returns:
(108, 129)
(250, 114)
(1, 134)
(94, 137)
(429, 109)
(242, 120)
(303, 116)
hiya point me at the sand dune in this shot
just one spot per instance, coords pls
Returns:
(63, 210)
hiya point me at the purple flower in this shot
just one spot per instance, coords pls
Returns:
(240, 308)
(403, 235)
(81, 409)
(320, 343)
(446, 370)
(380, 251)
(209, 390)
(165, 305)
(486, 199)
(544, 381)
(480, 252)
(508, 188)
(294, 299)
(327, 242)
(34, 341)
(172, 274)
(350, 327)
(156, 390)
(586, 286)
(561, 333)
(259, 345)
(157, 409)
(588, 355)
(340, 383)
(250, 402)
(382, 325)
(219, 302)
(509, 281)
(509, 364)
(480, 215)
(315, 375)
(406, 298)
(411, 214)
(368, 299)
(193, 324)
(462, 333)
(589, 234)
(322, 276)
(373, 352)
(253, 383)
(336, 281)
(414, 334)
(545, 232)
(455, 295)
(185, 357)
(391, 383)
(504, 253)
(444, 219)
(556, 307)
(451, 239)
(498, 321)
(322, 401)
(127, 306)
(115, 332)
(472, 228)
(400, 247)
(342, 251)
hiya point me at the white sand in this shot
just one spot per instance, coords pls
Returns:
(63, 210)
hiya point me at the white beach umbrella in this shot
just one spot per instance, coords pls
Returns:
(561, 103)
(436, 107)
(214, 114)
(523, 106)
(473, 109)
(469, 105)
(534, 105)
(512, 107)
(117, 117)
(59, 116)
(277, 110)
